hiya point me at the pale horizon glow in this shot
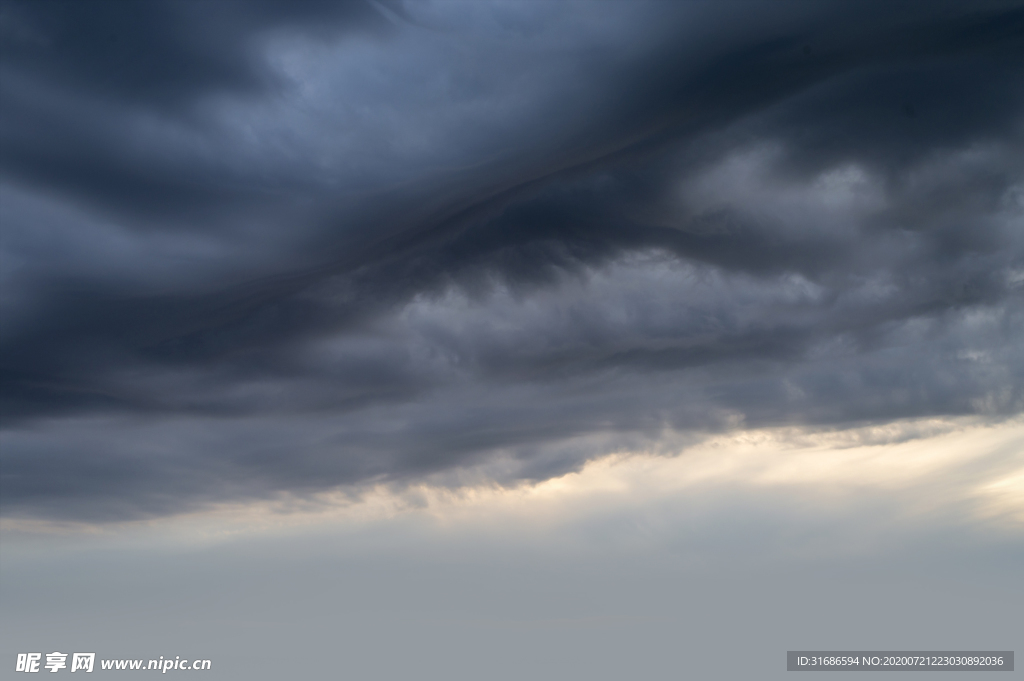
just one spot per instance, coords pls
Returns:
(925, 466)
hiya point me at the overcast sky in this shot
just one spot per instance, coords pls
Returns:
(257, 253)
(252, 248)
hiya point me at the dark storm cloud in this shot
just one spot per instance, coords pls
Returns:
(72, 69)
(162, 52)
(252, 247)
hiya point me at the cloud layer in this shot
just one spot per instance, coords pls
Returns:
(259, 248)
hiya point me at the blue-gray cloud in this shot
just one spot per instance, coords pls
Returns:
(252, 247)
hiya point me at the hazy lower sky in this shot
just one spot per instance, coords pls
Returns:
(511, 339)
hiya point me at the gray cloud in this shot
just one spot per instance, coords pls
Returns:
(255, 248)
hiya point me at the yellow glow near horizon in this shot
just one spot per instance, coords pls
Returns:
(926, 464)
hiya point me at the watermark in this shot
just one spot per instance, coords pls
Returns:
(56, 661)
(899, 660)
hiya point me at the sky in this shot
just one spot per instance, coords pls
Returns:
(510, 339)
